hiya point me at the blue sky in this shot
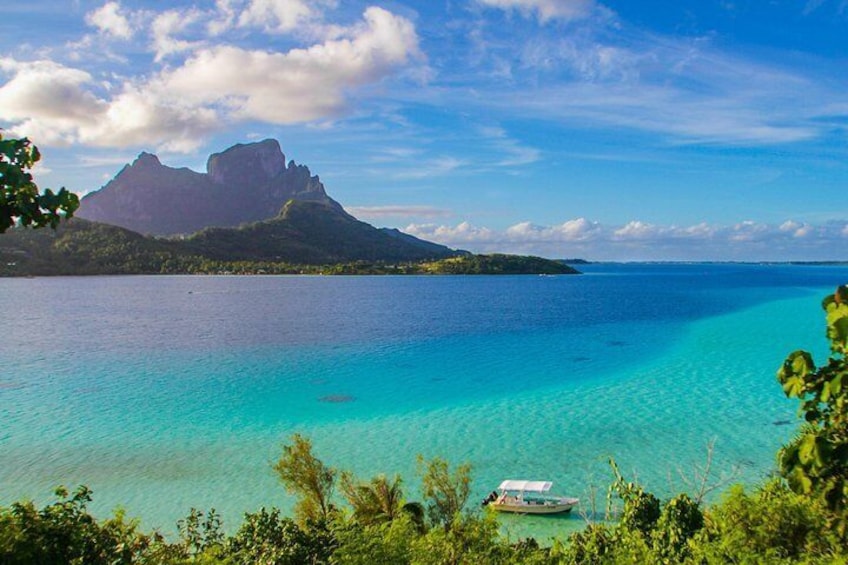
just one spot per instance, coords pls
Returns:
(619, 130)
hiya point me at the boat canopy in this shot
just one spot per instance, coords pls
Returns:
(527, 486)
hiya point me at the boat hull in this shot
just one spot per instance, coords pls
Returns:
(533, 508)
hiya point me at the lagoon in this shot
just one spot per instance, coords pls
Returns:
(166, 393)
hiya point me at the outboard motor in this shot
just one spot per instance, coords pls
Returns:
(493, 496)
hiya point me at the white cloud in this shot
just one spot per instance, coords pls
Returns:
(215, 86)
(299, 85)
(638, 240)
(515, 154)
(636, 230)
(464, 233)
(576, 230)
(283, 16)
(796, 229)
(48, 101)
(136, 118)
(749, 231)
(546, 9)
(166, 26)
(605, 74)
(109, 20)
(55, 104)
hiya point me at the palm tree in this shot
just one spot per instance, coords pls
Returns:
(379, 500)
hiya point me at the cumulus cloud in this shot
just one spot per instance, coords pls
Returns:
(637, 240)
(165, 28)
(214, 86)
(577, 230)
(110, 20)
(301, 84)
(636, 230)
(546, 9)
(48, 101)
(796, 229)
(283, 16)
(56, 105)
(462, 234)
(223, 17)
(136, 118)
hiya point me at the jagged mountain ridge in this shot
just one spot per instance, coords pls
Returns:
(243, 184)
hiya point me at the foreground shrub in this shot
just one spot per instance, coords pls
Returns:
(64, 532)
(774, 525)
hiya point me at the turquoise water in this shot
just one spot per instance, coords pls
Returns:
(166, 393)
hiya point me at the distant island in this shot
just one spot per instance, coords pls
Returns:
(81, 247)
(250, 213)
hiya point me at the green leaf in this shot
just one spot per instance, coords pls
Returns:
(836, 384)
(793, 386)
(801, 480)
(806, 449)
(821, 452)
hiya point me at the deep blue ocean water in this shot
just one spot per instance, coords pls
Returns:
(166, 393)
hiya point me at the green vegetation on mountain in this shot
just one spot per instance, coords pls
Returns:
(80, 247)
(306, 238)
(798, 517)
(310, 233)
(497, 264)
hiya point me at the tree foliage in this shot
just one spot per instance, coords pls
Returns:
(20, 199)
(771, 525)
(64, 532)
(445, 493)
(498, 264)
(267, 537)
(378, 500)
(816, 461)
(306, 476)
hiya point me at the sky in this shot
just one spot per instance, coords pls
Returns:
(605, 130)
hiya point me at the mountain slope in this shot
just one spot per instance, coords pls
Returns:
(81, 247)
(245, 183)
(312, 233)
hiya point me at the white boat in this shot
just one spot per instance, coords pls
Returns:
(528, 497)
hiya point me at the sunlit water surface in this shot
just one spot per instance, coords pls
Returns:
(166, 393)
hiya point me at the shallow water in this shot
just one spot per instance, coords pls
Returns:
(166, 393)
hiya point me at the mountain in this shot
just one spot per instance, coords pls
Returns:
(311, 233)
(245, 183)
(249, 213)
(304, 233)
